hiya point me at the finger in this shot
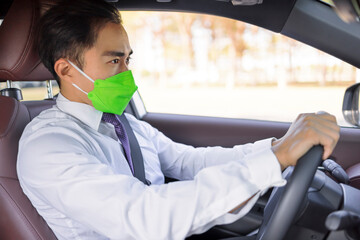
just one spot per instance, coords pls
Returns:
(323, 119)
(327, 152)
(328, 123)
(322, 132)
(325, 115)
(318, 115)
(328, 139)
(329, 131)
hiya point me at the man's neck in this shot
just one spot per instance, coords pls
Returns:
(74, 95)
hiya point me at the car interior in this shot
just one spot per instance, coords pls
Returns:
(324, 198)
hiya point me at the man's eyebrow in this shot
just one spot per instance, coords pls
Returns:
(115, 53)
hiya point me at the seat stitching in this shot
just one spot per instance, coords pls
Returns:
(26, 50)
(8, 72)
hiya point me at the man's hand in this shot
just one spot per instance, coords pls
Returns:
(307, 131)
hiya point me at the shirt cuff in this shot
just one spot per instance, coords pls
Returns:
(264, 167)
(228, 218)
(263, 144)
(265, 173)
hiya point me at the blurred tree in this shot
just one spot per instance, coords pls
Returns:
(282, 60)
(184, 23)
(234, 30)
(224, 28)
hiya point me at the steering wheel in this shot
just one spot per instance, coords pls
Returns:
(290, 201)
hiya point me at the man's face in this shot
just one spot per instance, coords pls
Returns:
(109, 56)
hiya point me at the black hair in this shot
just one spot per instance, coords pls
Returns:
(70, 27)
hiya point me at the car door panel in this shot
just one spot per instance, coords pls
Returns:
(212, 131)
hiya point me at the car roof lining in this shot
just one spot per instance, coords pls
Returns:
(317, 25)
(271, 15)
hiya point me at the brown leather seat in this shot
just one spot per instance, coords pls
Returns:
(18, 62)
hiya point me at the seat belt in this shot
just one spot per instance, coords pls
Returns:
(136, 156)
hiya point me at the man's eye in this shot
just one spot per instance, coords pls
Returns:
(115, 61)
(128, 60)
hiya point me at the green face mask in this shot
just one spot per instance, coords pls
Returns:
(111, 95)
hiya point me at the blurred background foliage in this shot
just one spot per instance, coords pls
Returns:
(177, 49)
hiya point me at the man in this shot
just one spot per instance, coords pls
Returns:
(74, 165)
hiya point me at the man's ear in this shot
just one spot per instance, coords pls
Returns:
(63, 69)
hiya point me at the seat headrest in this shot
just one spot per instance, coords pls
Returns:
(19, 60)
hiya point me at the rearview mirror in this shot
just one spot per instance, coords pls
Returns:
(350, 107)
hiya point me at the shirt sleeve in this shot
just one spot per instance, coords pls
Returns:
(66, 176)
(183, 162)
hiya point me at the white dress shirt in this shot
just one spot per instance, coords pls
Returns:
(72, 168)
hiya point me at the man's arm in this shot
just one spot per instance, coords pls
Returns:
(307, 131)
(183, 162)
(86, 190)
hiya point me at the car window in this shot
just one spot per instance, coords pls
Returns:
(211, 66)
(36, 90)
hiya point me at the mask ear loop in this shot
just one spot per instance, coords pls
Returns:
(84, 74)
(79, 88)
(76, 67)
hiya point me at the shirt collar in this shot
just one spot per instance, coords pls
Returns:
(84, 112)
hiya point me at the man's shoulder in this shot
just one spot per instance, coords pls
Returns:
(51, 122)
(51, 118)
(51, 132)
